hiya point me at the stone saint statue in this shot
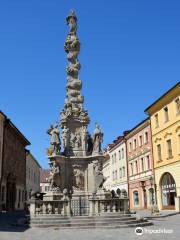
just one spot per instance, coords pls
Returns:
(53, 131)
(99, 178)
(72, 22)
(55, 171)
(97, 139)
(65, 137)
(77, 140)
(84, 138)
(78, 178)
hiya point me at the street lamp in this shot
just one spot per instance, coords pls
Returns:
(151, 179)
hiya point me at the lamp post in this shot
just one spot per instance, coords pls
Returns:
(151, 179)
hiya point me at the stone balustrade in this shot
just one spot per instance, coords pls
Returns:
(100, 206)
(61, 207)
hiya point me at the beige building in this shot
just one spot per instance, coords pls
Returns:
(32, 174)
(165, 124)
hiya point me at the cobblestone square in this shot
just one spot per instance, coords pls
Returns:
(167, 224)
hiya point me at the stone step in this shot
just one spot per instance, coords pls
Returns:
(82, 222)
(110, 226)
(75, 219)
(105, 220)
(58, 216)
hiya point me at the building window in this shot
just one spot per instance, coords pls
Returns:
(156, 120)
(148, 162)
(166, 114)
(136, 198)
(146, 137)
(142, 164)
(169, 148)
(136, 166)
(140, 141)
(177, 102)
(130, 146)
(115, 157)
(159, 152)
(119, 154)
(135, 144)
(120, 173)
(112, 159)
(131, 167)
(115, 174)
(123, 171)
(122, 150)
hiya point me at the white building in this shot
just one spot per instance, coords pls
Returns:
(32, 174)
(106, 171)
(116, 167)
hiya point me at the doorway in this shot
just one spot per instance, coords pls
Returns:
(168, 191)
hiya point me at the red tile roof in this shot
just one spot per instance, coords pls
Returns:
(117, 140)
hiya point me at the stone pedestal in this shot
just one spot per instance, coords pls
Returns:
(32, 207)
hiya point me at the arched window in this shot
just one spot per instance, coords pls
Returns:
(168, 191)
(136, 198)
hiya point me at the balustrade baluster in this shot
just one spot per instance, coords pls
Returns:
(108, 206)
(113, 206)
(50, 209)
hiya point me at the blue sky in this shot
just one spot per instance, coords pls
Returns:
(130, 55)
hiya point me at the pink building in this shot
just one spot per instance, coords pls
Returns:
(140, 166)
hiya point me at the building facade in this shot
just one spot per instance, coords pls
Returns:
(44, 180)
(32, 175)
(165, 123)
(13, 166)
(106, 171)
(115, 168)
(140, 166)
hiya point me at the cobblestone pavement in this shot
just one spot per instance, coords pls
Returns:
(171, 224)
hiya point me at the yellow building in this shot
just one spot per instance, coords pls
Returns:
(165, 125)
